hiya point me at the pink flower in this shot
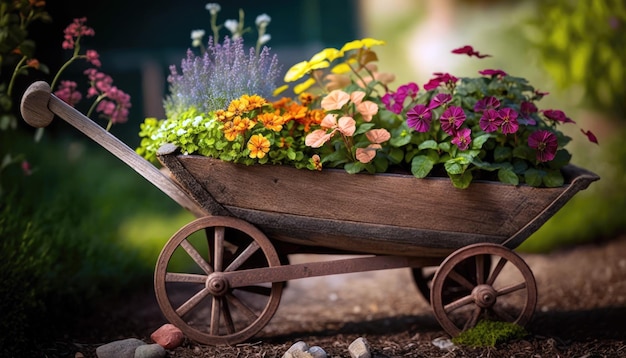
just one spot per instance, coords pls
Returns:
(67, 93)
(419, 118)
(545, 143)
(335, 100)
(462, 138)
(439, 100)
(367, 109)
(485, 103)
(93, 57)
(74, 31)
(365, 155)
(100, 82)
(440, 78)
(557, 115)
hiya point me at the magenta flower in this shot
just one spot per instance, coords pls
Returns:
(486, 103)
(407, 90)
(509, 120)
(67, 93)
(545, 143)
(439, 100)
(526, 111)
(440, 78)
(74, 31)
(451, 119)
(419, 118)
(468, 50)
(592, 137)
(557, 115)
(391, 103)
(490, 121)
(462, 138)
(490, 72)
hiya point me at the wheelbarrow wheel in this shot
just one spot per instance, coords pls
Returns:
(423, 279)
(506, 292)
(197, 299)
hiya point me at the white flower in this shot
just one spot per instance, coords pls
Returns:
(180, 132)
(232, 26)
(196, 37)
(263, 20)
(213, 8)
(197, 121)
(264, 39)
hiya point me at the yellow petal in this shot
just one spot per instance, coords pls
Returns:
(341, 68)
(297, 71)
(352, 45)
(326, 54)
(301, 87)
(369, 42)
(279, 90)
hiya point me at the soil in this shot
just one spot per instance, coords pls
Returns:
(581, 312)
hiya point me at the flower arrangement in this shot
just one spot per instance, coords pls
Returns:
(344, 114)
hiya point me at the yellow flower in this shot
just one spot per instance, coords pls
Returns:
(358, 44)
(258, 146)
(238, 106)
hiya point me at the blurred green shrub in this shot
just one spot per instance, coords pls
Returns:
(583, 43)
(61, 250)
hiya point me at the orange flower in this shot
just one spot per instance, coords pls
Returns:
(258, 146)
(33, 62)
(254, 102)
(271, 121)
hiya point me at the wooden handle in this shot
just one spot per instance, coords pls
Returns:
(38, 108)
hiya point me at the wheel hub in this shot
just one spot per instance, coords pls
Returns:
(484, 296)
(217, 284)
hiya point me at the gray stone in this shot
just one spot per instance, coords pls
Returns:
(119, 349)
(317, 352)
(150, 351)
(298, 347)
(359, 348)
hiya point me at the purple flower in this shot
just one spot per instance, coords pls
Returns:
(419, 118)
(439, 99)
(490, 121)
(486, 103)
(509, 120)
(408, 90)
(526, 110)
(452, 119)
(440, 78)
(462, 138)
(490, 72)
(545, 143)
(557, 115)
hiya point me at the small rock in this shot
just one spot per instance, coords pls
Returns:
(298, 347)
(443, 343)
(150, 351)
(359, 348)
(79, 355)
(317, 352)
(168, 336)
(119, 349)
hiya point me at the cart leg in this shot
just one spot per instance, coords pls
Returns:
(191, 289)
(505, 292)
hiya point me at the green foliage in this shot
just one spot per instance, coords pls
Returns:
(583, 43)
(63, 247)
(489, 334)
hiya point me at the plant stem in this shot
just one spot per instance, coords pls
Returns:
(15, 72)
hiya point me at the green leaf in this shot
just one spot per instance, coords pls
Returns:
(456, 166)
(553, 179)
(462, 181)
(508, 176)
(354, 167)
(396, 155)
(364, 128)
(428, 144)
(534, 177)
(421, 166)
(478, 142)
(502, 154)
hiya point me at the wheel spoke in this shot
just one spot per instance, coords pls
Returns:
(245, 255)
(496, 271)
(242, 307)
(218, 254)
(459, 303)
(259, 290)
(195, 255)
(185, 277)
(215, 316)
(192, 302)
(511, 288)
(230, 326)
(480, 269)
(461, 280)
(473, 318)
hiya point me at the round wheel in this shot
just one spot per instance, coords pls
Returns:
(194, 295)
(423, 279)
(489, 295)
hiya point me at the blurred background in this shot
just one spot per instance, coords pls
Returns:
(78, 226)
